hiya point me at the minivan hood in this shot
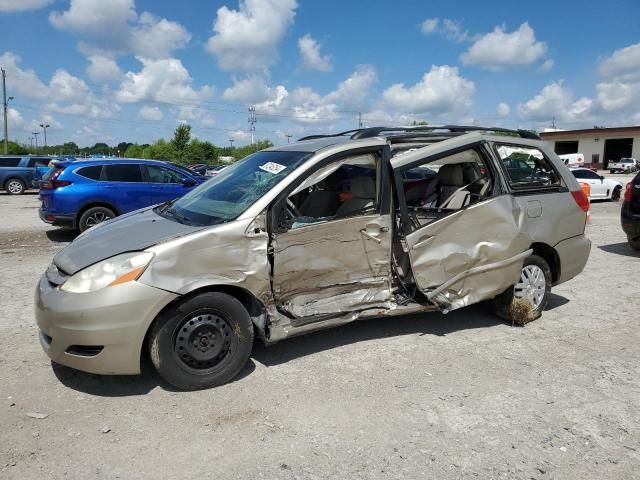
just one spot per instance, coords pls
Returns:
(131, 232)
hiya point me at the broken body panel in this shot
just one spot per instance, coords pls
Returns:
(296, 280)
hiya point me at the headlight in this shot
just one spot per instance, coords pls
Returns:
(112, 271)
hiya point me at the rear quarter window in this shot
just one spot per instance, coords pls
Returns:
(9, 162)
(527, 168)
(127, 172)
(93, 172)
(39, 162)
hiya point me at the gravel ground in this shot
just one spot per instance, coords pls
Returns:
(462, 395)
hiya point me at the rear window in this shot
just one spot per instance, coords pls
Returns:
(527, 168)
(585, 174)
(126, 172)
(92, 172)
(39, 162)
(51, 172)
(9, 162)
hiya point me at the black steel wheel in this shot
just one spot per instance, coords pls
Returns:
(203, 341)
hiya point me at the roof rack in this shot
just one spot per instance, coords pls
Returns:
(423, 131)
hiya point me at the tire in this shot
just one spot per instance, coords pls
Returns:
(94, 216)
(635, 244)
(505, 305)
(15, 186)
(612, 172)
(615, 195)
(203, 341)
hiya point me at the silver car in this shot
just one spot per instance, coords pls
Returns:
(327, 230)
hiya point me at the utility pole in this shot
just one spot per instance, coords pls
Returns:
(35, 134)
(5, 104)
(359, 119)
(553, 122)
(44, 127)
(252, 121)
(231, 140)
(289, 137)
(31, 143)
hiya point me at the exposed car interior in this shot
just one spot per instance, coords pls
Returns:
(341, 189)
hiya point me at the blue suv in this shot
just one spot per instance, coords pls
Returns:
(18, 173)
(84, 193)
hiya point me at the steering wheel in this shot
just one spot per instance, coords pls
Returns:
(293, 209)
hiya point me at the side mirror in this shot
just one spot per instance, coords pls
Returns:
(602, 177)
(188, 182)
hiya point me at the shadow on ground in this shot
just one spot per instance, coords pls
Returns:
(122, 385)
(621, 248)
(434, 323)
(61, 235)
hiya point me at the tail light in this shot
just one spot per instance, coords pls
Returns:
(582, 200)
(53, 182)
(628, 192)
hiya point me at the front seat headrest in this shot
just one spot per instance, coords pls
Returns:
(451, 174)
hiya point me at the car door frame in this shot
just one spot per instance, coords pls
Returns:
(385, 209)
(443, 295)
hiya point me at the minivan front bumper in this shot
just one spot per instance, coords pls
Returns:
(98, 332)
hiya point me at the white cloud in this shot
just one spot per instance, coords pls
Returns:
(304, 105)
(352, 93)
(441, 91)
(15, 122)
(113, 27)
(555, 101)
(624, 64)
(164, 80)
(503, 109)
(247, 39)
(450, 29)
(22, 5)
(22, 83)
(150, 113)
(103, 69)
(157, 38)
(500, 49)
(251, 89)
(430, 25)
(70, 94)
(311, 57)
(618, 95)
(547, 65)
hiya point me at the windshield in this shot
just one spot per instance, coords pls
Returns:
(227, 195)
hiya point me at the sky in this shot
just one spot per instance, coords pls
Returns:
(131, 70)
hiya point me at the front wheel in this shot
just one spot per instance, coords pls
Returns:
(612, 172)
(527, 299)
(203, 341)
(615, 195)
(635, 244)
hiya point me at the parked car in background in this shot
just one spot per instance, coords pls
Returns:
(601, 188)
(630, 213)
(272, 247)
(625, 165)
(208, 170)
(572, 159)
(83, 193)
(20, 173)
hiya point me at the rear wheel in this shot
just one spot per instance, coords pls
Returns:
(612, 172)
(94, 216)
(528, 298)
(15, 186)
(204, 341)
(635, 244)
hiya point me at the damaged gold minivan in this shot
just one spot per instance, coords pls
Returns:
(330, 229)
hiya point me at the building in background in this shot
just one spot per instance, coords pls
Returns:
(598, 145)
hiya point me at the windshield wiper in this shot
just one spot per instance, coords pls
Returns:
(181, 218)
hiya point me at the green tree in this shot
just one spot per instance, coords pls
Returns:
(181, 138)
(134, 151)
(161, 150)
(14, 148)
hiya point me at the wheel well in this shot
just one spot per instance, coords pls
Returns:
(551, 257)
(255, 307)
(91, 205)
(13, 178)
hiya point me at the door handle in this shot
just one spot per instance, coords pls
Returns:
(368, 235)
(423, 242)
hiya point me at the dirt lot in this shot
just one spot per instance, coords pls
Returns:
(461, 395)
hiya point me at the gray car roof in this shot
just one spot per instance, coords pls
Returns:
(311, 145)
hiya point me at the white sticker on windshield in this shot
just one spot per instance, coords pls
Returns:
(272, 167)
